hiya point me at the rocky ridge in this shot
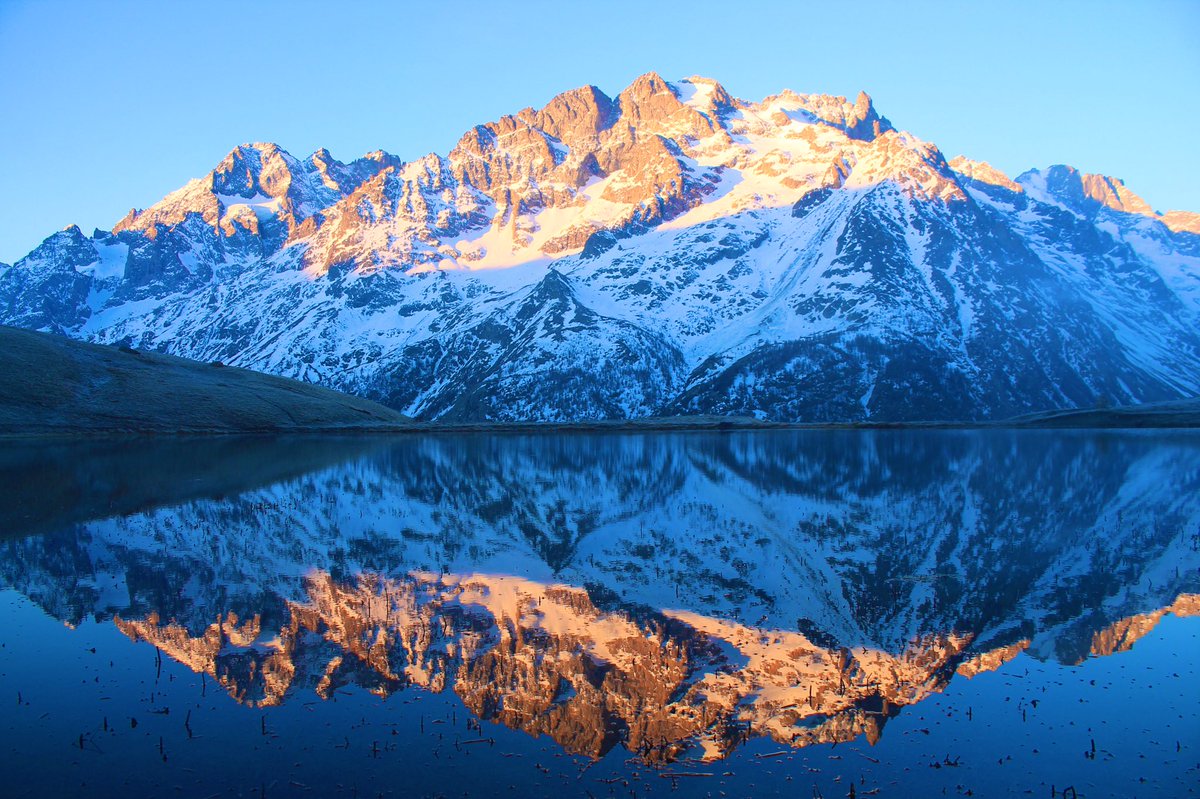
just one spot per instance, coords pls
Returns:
(670, 250)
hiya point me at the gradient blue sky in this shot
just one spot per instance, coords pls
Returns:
(108, 105)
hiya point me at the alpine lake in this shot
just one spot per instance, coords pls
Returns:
(901, 613)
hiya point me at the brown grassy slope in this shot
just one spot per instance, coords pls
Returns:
(52, 385)
(1179, 413)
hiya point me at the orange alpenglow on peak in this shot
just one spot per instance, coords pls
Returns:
(697, 230)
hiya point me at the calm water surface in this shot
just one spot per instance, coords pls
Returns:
(815, 614)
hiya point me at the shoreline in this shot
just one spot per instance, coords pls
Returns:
(1116, 419)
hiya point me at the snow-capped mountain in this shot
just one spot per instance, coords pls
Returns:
(650, 591)
(670, 250)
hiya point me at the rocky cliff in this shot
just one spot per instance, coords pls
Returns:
(672, 249)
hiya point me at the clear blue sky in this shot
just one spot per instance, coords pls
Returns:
(108, 105)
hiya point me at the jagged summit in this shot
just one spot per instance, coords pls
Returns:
(256, 180)
(983, 172)
(796, 257)
(1085, 192)
(526, 161)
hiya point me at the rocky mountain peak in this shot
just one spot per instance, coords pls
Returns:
(651, 105)
(859, 120)
(69, 247)
(916, 167)
(238, 172)
(1083, 192)
(1182, 221)
(1113, 193)
(983, 172)
(645, 88)
(260, 182)
(577, 117)
(705, 94)
(864, 122)
(254, 170)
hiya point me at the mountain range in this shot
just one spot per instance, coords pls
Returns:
(671, 250)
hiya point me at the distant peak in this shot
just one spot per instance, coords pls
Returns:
(983, 172)
(1182, 221)
(646, 87)
(703, 93)
(700, 80)
(241, 173)
(650, 78)
(68, 245)
(1085, 191)
(577, 115)
(585, 96)
(251, 155)
(381, 156)
(655, 106)
(1113, 193)
(864, 122)
(590, 92)
(259, 146)
(859, 119)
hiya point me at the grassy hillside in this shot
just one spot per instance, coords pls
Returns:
(51, 385)
(1181, 413)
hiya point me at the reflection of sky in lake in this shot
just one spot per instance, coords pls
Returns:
(667, 603)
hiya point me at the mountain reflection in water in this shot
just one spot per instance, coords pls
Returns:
(672, 594)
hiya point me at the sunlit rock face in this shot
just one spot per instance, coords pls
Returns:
(672, 249)
(672, 595)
